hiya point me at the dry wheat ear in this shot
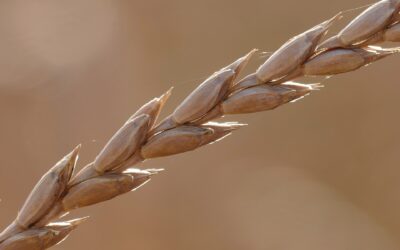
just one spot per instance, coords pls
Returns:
(190, 125)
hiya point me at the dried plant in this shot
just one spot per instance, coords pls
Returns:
(190, 125)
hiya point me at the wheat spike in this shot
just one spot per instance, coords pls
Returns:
(190, 125)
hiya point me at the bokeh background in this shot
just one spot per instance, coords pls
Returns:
(318, 174)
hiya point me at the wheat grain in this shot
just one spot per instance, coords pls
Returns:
(189, 126)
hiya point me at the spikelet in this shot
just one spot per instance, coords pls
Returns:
(181, 139)
(103, 188)
(293, 53)
(206, 96)
(263, 97)
(44, 194)
(123, 144)
(339, 61)
(41, 238)
(368, 23)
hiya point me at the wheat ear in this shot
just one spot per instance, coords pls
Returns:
(189, 126)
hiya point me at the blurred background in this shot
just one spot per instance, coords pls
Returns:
(318, 174)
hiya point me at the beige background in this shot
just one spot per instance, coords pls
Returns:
(318, 174)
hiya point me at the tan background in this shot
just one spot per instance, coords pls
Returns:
(319, 174)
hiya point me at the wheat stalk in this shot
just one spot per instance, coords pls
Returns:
(189, 126)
